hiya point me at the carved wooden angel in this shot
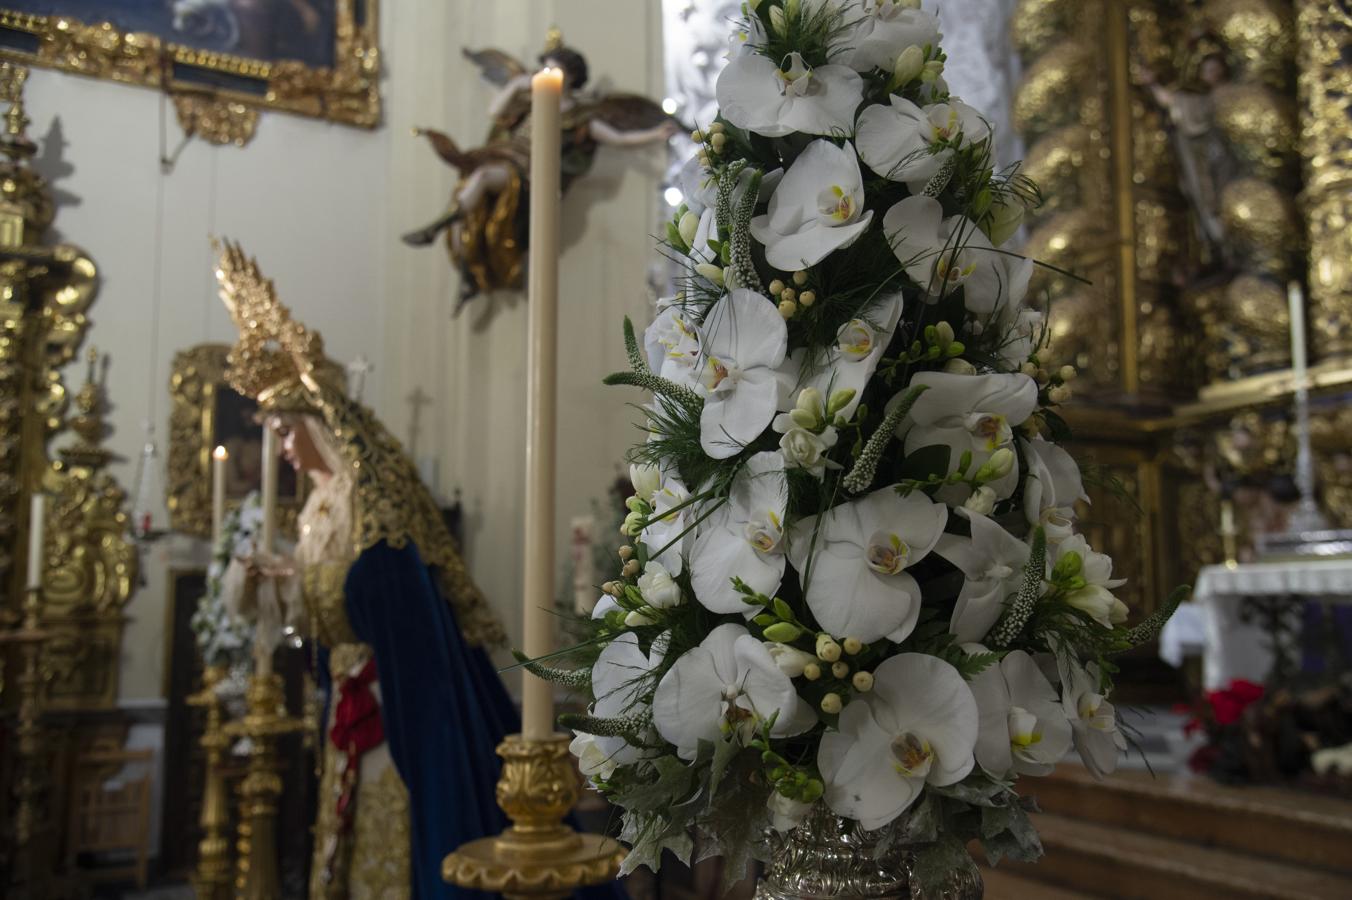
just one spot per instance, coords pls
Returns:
(485, 223)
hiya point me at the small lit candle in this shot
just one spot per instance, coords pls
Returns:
(537, 700)
(219, 457)
(269, 536)
(1295, 299)
(37, 519)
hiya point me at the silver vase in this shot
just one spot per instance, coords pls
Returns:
(830, 857)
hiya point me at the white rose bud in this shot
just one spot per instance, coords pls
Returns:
(658, 588)
(982, 501)
(802, 449)
(688, 226)
(910, 63)
(809, 399)
(998, 466)
(959, 366)
(791, 661)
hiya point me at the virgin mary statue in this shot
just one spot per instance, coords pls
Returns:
(416, 709)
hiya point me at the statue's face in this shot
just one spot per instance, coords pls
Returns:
(298, 447)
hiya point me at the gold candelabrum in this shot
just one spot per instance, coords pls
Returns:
(30, 871)
(256, 872)
(211, 879)
(538, 857)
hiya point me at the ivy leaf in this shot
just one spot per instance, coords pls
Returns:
(935, 863)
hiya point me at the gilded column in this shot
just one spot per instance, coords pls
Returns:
(1324, 30)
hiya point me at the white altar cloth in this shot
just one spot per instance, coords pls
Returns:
(1230, 647)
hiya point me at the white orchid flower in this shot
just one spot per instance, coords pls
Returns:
(620, 679)
(992, 562)
(672, 345)
(666, 535)
(756, 94)
(886, 28)
(744, 340)
(1024, 731)
(744, 538)
(853, 559)
(817, 208)
(969, 413)
(727, 686)
(1051, 489)
(903, 142)
(943, 254)
(1020, 328)
(917, 726)
(1096, 597)
(698, 186)
(851, 361)
(1093, 721)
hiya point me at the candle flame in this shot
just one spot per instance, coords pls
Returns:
(551, 76)
(220, 453)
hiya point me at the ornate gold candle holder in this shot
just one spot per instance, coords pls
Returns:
(256, 875)
(538, 857)
(29, 862)
(211, 878)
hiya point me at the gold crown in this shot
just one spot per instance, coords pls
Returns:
(277, 360)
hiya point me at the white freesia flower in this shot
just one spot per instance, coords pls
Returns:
(791, 660)
(776, 100)
(906, 143)
(1020, 329)
(944, 254)
(619, 682)
(803, 449)
(659, 589)
(786, 813)
(646, 479)
(1051, 489)
(592, 761)
(992, 562)
(817, 208)
(1093, 720)
(982, 502)
(1023, 728)
(727, 686)
(1096, 597)
(917, 726)
(744, 339)
(744, 538)
(969, 413)
(886, 28)
(853, 561)
(851, 361)
(605, 605)
(670, 518)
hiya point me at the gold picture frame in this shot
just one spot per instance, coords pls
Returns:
(217, 94)
(205, 413)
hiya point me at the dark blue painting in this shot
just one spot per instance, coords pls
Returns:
(270, 30)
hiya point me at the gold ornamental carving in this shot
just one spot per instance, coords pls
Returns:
(347, 92)
(538, 856)
(216, 120)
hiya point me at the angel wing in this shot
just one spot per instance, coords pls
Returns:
(495, 66)
(624, 112)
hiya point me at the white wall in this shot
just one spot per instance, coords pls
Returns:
(322, 206)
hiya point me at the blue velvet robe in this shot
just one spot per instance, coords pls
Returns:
(445, 711)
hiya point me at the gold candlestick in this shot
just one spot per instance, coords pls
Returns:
(211, 879)
(256, 875)
(30, 871)
(538, 857)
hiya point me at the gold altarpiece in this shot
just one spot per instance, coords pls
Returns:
(89, 568)
(1195, 158)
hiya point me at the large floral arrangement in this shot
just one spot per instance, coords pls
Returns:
(223, 638)
(853, 574)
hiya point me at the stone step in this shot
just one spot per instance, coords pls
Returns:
(1291, 826)
(1114, 863)
(1001, 884)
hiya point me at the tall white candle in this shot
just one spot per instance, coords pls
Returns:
(37, 521)
(219, 457)
(541, 364)
(269, 535)
(1295, 299)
